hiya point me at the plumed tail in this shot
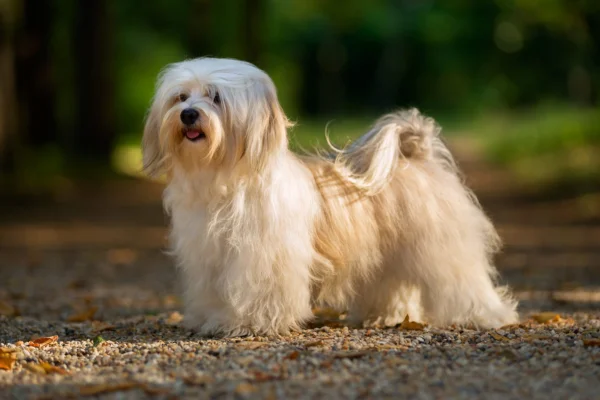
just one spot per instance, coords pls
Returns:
(406, 135)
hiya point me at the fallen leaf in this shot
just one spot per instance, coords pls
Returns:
(52, 369)
(6, 309)
(92, 390)
(245, 388)
(499, 337)
(121, 256)
(529, 338)
(260, 376)
(8, 350)
(44, 368)
(98, 326)
(155, 390)
(35, 368)
(352, 354)
(316, 343)
(83, 316)
(43, 341)
(546, 317)
(98, 340)
(8, 357)
(409, 325)
(174, 318)
(591, 342)
(511, 327)
(251, 345)
(198, 379)
(390, 347)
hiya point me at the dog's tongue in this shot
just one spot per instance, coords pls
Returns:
(192, 134)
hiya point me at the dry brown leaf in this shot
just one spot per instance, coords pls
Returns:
(591, 342)
(245, 388)
(174, 318)
(155, 390)
(92, 390)
(44, 368)
(546, 317)
(98, 326)
(293, 355)
(499, 337)
(352, 354)
(529, 338)
(8, 357)
(6, 309)
(510, 327)
(7, 364)
(409, 325)
(260, 376)
(43, 341)
(380, 347)
(121, 256)
(83, 316)
(198, 379)
(35, 368)
(316, 343)
(8, 350)
(250, 345)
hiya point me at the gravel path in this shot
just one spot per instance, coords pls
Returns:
(89, 307)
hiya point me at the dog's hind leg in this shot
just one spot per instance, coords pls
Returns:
(385, 301)
(446, 250)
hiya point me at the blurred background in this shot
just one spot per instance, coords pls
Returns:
(76, 77)
(515, 84)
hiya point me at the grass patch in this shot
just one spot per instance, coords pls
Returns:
(553, 147)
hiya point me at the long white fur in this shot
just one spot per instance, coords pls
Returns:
(382, 228)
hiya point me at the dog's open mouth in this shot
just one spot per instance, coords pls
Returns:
(193, 135)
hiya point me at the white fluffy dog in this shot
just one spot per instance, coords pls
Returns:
(381, 229)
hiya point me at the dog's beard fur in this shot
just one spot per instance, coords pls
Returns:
(381, 229)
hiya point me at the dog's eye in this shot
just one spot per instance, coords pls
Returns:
(183, 97)
(216, 98)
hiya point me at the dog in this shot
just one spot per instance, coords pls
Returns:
(381, 229)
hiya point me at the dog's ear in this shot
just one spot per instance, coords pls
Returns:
(267, 128)
(152, 156)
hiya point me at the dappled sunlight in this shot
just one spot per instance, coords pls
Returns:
(127, 160)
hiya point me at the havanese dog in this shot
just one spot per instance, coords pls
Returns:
(380, 229)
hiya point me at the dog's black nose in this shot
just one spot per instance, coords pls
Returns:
(189, 116)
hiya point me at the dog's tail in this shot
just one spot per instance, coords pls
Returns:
(406, 135)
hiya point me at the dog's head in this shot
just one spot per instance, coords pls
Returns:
(213, 113)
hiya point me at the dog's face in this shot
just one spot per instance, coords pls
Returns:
(213, 113)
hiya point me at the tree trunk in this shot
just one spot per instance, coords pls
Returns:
(95, 128)
(253, 24)
(8, 103)
(35, 77)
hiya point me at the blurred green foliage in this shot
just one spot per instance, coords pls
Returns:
(466, 62)
(332, 58)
